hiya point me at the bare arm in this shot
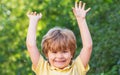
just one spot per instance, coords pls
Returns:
(31, 37)
(80, 13)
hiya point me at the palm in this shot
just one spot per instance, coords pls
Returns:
(79, 10)
(34, 16)
(80, 13)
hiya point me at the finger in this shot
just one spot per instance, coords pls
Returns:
(34, 13)
(28, 12)
(31, 13)
(76, 5)
(73, 8)
(88, 9)
(80, 4)
(83, 7)
(40, 14)
(74, 11)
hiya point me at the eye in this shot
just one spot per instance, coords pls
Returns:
(65, 51)
(54, 51)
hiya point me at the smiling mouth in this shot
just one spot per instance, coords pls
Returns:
(60, 61)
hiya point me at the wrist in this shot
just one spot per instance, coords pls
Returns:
(80, 18)
(33, 20)
(33, 23)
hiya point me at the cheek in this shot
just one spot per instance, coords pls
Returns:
(50, 56)
(68, 55)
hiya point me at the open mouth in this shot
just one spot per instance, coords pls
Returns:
(59, 61)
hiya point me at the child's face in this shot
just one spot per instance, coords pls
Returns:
(59, 59)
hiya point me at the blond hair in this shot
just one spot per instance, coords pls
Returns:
(59, 39)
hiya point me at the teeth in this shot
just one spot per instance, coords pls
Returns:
(59, 61)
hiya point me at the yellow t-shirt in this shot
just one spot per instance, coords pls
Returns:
(76, 68)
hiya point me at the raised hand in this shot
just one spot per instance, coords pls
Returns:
(34, 16)
(79, 10)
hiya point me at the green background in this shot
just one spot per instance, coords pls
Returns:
(103, 21)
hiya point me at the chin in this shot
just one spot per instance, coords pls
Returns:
(60, 67)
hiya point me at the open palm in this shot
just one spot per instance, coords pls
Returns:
(34, 16)
(79, 10)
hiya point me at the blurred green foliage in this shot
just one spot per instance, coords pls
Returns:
(103, 21)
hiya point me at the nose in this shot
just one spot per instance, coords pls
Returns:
(59, 55)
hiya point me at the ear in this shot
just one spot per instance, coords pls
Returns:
(71, 56)
(46, 56)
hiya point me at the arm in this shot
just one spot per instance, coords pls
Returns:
(31, 37)
(80, 14)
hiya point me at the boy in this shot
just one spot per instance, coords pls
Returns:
(59, 46)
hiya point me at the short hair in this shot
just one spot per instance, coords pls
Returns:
(59, 39)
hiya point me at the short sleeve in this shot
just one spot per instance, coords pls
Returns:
(81, 67)
(39, 65)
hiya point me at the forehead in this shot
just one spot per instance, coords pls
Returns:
(68, 50)
(59, 44)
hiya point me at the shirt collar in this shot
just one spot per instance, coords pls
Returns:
(57, 69)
